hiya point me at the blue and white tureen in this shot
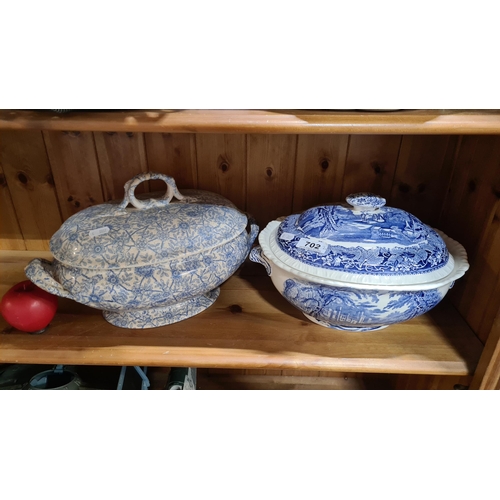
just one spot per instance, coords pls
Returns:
(359, 266)
(149, 265)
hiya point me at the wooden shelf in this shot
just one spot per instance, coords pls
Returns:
(249, 326)
(260, 121)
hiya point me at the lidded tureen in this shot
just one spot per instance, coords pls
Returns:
(359, 266)
(152, 264)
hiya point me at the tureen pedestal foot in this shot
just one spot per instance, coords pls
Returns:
(345, 328)
(161, 316)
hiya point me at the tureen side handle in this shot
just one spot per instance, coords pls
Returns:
(152, 202)
(254, 231)
(256, 255)
(39, 271)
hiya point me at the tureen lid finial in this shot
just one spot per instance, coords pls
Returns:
(365, 201)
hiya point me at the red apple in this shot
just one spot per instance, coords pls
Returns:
(27, 307)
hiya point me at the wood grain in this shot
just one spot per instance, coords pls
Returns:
(12, 266)
(270, 176)
(27, 170)
(121, 156)
(74, 165)
(479, 298)
(319, 170)
(261, 121)
(474, 191)
(487, 375)
(229, 380)
(267, 334)
(222, 162)
(423, 174)
(173, 155)
(11, 237)
(471, 215)
(432, 382)
(370, 165)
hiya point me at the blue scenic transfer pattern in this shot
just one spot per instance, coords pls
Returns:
(365, 200)
(358, 310)
(385, 241)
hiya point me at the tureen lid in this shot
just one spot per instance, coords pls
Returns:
(360, 242)
(154, 231)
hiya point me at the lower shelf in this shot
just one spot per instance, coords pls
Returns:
(249, 326)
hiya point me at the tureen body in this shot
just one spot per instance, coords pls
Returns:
(359, 266)
(156, 263)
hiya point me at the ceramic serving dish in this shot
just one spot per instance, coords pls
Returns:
(152, 264)
(359, 266)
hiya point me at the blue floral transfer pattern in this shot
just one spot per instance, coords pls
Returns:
(151, 265)
(161, 316)
(358, 310)
(125, 290)
(153, 286)
(111, 237)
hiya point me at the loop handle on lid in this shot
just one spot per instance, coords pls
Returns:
(152, 202)
(365, 201)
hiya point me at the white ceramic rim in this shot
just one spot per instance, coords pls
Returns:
(454, 269)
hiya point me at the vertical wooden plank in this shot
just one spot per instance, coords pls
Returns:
(477, 294)
(173, 155)
(121, 156)
(221, 160)
(270, 176)
(471, 215)
(31, 186)
(371, 163)
(487, 374)
(480, 298)
(319, 170)
(423, 173)
(11, 237)
(474, 191)
(74, 164)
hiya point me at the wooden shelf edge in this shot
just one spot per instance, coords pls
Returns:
(230, 359)
(259, 121)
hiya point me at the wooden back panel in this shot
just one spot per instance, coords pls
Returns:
(471, 215)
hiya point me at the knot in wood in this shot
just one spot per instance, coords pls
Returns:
(50, 180)
(376, 167)
(404, 188)
(23, 179)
